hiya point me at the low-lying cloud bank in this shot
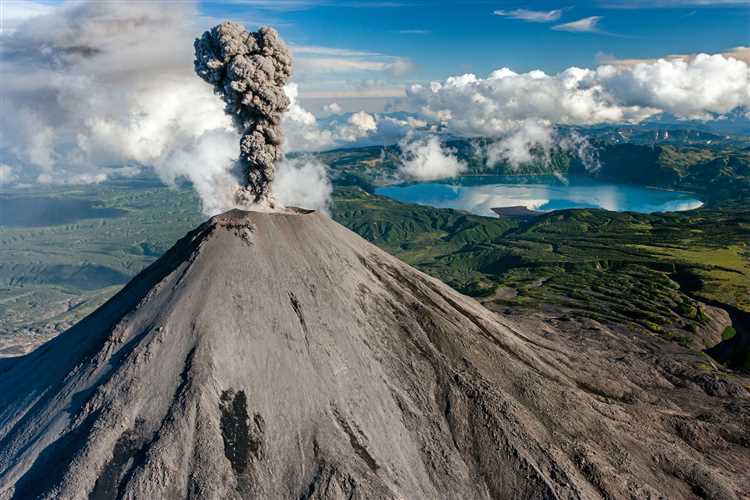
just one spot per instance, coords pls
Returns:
(702, 88)
(522, 110)
(536, 141)
(427, 159)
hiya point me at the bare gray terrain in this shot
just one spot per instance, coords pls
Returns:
(279, 355)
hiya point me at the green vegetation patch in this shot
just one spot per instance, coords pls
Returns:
(647, 270)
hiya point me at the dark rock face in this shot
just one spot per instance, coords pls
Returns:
(279, 355)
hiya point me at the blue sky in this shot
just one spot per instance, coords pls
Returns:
(442, 38)
(373, 48)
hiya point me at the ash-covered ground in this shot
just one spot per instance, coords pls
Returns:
(281, 355)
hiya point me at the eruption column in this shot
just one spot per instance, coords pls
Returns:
(249, 70)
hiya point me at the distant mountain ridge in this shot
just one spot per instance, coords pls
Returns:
(717, 168)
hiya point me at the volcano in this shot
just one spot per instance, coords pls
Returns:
(279, 355)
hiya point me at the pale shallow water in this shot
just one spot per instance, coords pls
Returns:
(482, 193)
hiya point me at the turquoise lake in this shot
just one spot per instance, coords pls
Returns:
(482, 193)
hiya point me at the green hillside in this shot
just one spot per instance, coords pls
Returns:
(654, 272)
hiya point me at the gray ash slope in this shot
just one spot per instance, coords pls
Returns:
(271, 355)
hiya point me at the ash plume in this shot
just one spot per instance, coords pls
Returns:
(249, 71)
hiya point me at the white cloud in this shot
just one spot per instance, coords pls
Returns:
(303, 132)
(98, 88)
(96, 85)
(303, 182)
(332, 108)
(316, 60)
(533, 16)
(698, 88)
(670, 4)
(467, 105)
(7, 176)
(392, 66)
(399, 67)
(518, 146)
(14, 12)
(301, 129)
(740, 53)
(585, 25)
(330, 51)
(522, 110)
(494, 106)
(358, 125)
(427, 159)
(344, 90)
(534, 142)
(207, 160)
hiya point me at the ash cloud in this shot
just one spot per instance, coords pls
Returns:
(249, 70)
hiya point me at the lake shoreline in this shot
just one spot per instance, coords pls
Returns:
(484, 194)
